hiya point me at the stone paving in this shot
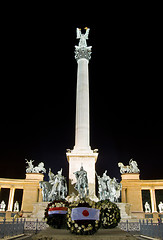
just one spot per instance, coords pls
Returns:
(102, 234)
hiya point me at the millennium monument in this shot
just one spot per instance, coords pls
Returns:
(82, 155)
(136, 198)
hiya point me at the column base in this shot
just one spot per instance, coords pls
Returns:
(87, 160)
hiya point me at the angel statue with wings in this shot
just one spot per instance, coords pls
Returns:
(82, 37)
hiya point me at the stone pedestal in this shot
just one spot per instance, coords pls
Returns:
(32, 192)
(35, 176)
(39, 210)
(87, 160)
(130, 176)
(125, 210)
(8, 214)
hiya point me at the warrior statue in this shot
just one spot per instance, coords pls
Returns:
(56, 188)
(82, 182)
(108, 188)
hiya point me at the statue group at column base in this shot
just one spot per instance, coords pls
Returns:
(55, 189)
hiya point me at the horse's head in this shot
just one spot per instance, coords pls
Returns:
(120, 164)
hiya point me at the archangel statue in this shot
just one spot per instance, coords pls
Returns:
(131, 168)
(82, 37)
(38, 169)
(82, 50)
(82, 182)
(108, 188)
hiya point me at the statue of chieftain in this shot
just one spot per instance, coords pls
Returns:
(56, 188)
(82, 182)
(108, 188)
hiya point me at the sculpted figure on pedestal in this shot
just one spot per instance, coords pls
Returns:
(56, 188)
(82, 51)
(2, 206)
(160, 206)
(16, 206)
(30, 167)
(147, 208)
(108, 188)
(59, 186)
(82, 37)
(82, 182)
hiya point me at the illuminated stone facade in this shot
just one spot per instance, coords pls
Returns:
(31, 192)
(132, 188)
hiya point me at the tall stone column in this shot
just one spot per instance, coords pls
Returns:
(11, 199)
(153, 200)
(82, 155)
(82, 131)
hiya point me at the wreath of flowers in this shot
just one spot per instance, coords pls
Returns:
(110, 214)
(82, 227)
(56, 220)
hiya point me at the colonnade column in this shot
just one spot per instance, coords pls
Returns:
(153, 200)
(11, 199)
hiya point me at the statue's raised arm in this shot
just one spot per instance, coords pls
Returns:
(87, 32)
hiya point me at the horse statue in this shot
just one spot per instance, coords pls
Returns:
(131, 168)
(82, 182)
(39, 168)
(124, 169)
(31, 169)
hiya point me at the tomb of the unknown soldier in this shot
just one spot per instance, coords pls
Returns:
(88, 204)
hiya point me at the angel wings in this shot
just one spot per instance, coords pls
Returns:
(82, 37)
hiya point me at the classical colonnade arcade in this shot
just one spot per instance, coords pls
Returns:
(30, 189)
(132, 192)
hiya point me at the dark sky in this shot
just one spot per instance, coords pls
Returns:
(38, 94)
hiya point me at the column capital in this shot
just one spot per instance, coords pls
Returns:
(83, 52)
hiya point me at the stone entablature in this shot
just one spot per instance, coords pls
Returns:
(30, 187)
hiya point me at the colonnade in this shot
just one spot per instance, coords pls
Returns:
(132, 188)
(11, 197)
(31, 191)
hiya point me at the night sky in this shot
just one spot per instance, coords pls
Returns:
(38, 94)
